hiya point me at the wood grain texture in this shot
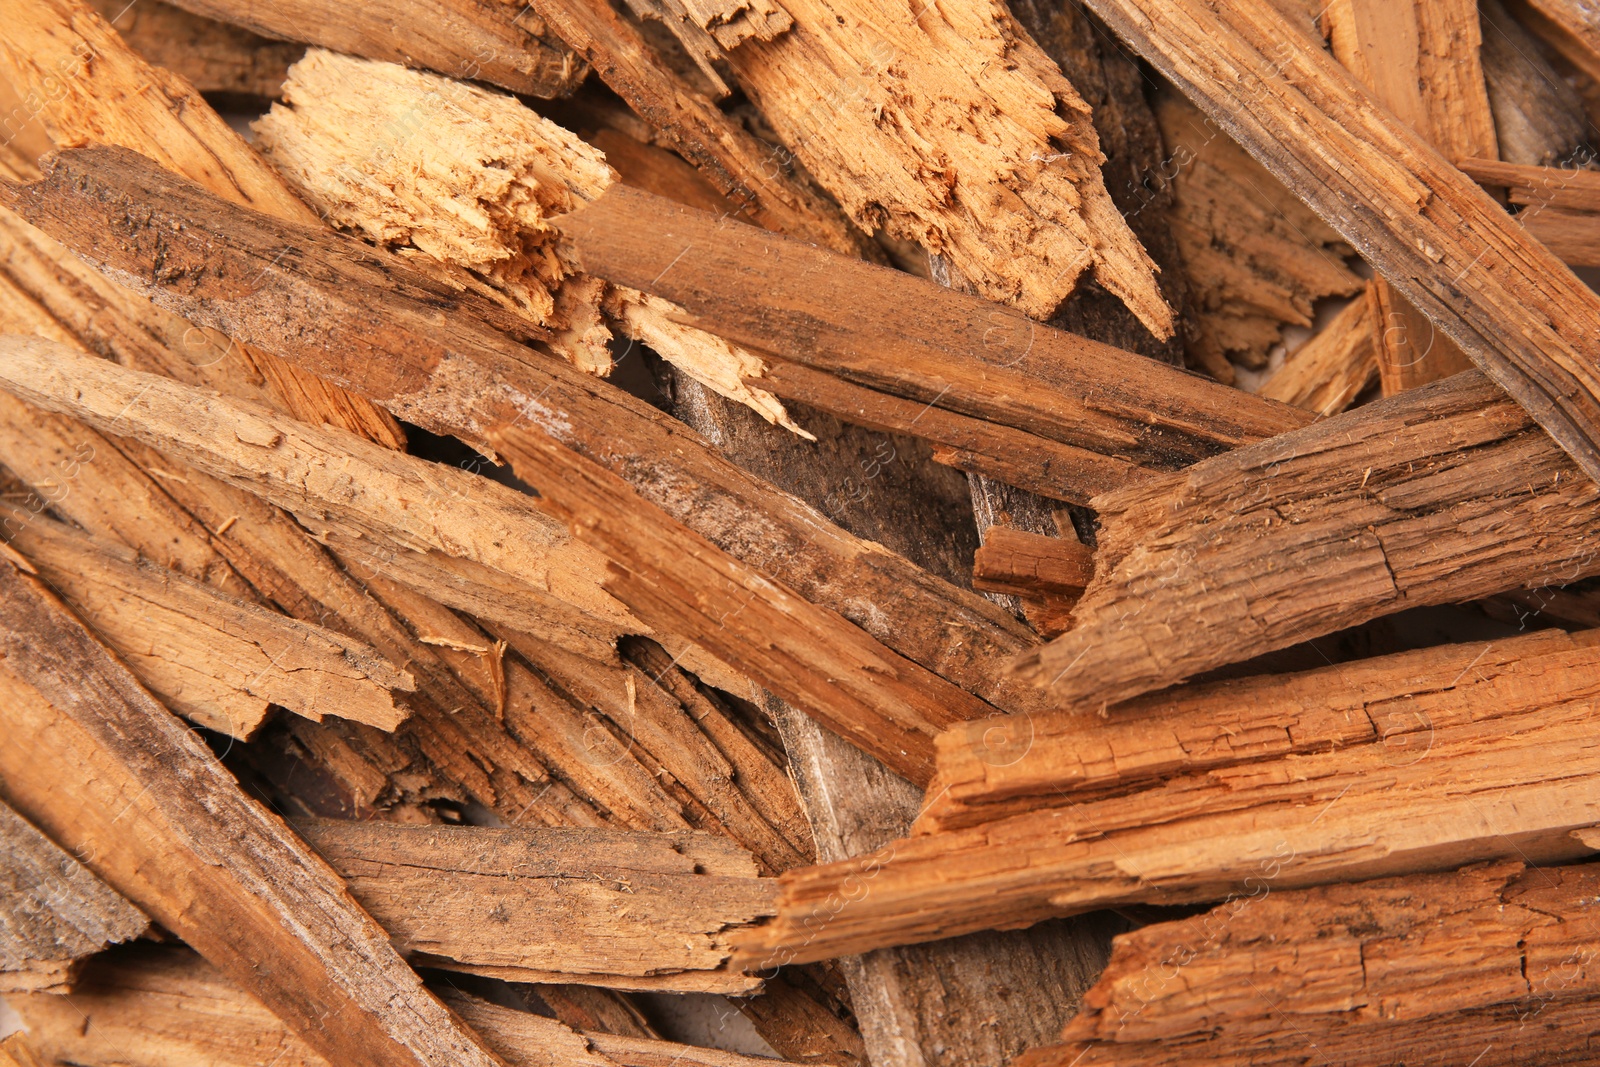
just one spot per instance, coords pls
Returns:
(1564, 188)
(1441, 495)
(1510, 305)
(1423, 63)
(1255, 257)
(216, 660)
(88, 86)
(632, 743)
(1011, 765)
(623, 910)
(458, 376)
(881, 702)
(335, 478)
(1392, 801)
(476, 40)
(1489, 964)
(212, 56)
(150, 805)
(740, 166)
(905, 336)
(16, 1052)
(1113, 83)
(1015, 457)
(1572, 235)
(53, 912)
(1336, 365)
(1026, 564)
(867, 94)
(163, 1006)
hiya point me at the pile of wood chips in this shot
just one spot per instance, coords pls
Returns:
(682, 531)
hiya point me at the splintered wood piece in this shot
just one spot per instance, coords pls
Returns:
(212, 56)
(214, 659)
(1510, 304)
(624, 910)
(92, 88)
(1256, 258)
(1444, 494)
(454, 374)
(153, 812)
(474, 198)
(738, 165)
(1562, 188)
(1572, 235)
(866, 93)
(1015, 561)
(882, 703)
(1328, 372)
(1016, 457)
(157, 1006)
(1388, 801)
(674, 579)
(504, 44)
(425, 511)
(1009, 765)
(899, 334)
(1411, 350)
(1421, 62)
(1490, 965)
(53, 912)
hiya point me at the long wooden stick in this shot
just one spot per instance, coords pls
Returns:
(899, 334)
(1382, 793)
(1511, 305)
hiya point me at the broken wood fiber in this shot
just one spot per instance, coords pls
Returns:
(1019, 208)
(162, 822)
(1439, 495)
(54, 913)
(1489, 963)
(862, 689)
(1510, 304)
(216, 660)
(475, 198)
(1375, 786)
(646, 911)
